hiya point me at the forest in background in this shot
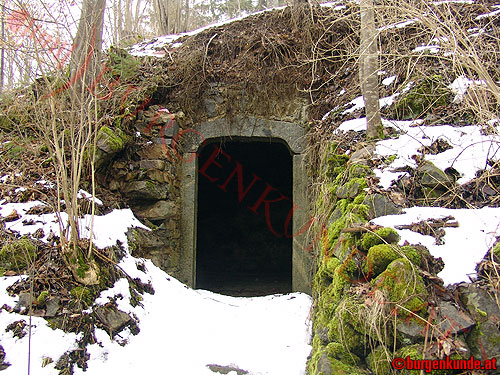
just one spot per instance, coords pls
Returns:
(45, 29)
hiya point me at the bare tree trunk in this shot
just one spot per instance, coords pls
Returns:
(118, 21)
(161, 13)
(178, 10)
(10, 78)
(186, 16)
(128, 19)
(87, 45)
(2, 53)
(137, 18)
(368, 69)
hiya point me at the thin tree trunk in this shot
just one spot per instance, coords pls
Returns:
(2, 53)
(368, 69)
(162, 20)
(186, 16)
(128, 19)
(87, 45)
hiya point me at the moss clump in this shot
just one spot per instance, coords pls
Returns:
(82, 296)
(379, 360)
(42, 298)
(355, 214)
(325, 360)
(430, 93)
(337, 351)
(17, 255)
(380, 236)
(496, 251)
(358, 170)
(403, 286)
(325, 274)
(330, 295)
(344, 332)
(111, 141)
(341, 368)
(412, 254)
(335, 165)
(83, 266)
(378, 258)
(122, 64)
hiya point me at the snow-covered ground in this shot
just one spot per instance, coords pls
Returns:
(181, 330)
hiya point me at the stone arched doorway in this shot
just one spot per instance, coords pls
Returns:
(208, 185)
(244, 199)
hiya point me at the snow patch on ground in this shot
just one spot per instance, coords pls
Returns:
(463, 247)
(389, 80)
(460, 85)
(181, 330)
(430, 48)
(469, 153)
(194, 328)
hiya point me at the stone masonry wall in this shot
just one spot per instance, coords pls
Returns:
(141, 158)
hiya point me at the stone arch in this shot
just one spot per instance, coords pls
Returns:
(248, 129)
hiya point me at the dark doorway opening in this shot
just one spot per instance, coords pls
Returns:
(244, 200)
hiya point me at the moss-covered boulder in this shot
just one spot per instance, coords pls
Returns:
(482, 305)
(379, 360)
(425, 96)
(403, 288)
(17, 255)
(333, 360)
(432, 177)
(380, 236)
(109, 142)
(378, 258)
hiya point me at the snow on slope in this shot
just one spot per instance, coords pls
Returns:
(182, 330)
(463, 247)
(470, 149)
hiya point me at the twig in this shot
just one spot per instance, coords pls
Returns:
(453, 224)
(361, 228)
(206, 52)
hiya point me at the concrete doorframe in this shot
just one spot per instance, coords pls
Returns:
(245, 128)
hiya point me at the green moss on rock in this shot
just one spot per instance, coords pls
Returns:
(378, 258)
(358, 170)
(379, 360)
(412, 254)
(380, 236)
(496, 251)
(82, 296)
(42, 298)
(17, 255)
(403, 286)
(335, 165)
(111, 141)
(342, 368)
(344, 332)
(425, 96)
